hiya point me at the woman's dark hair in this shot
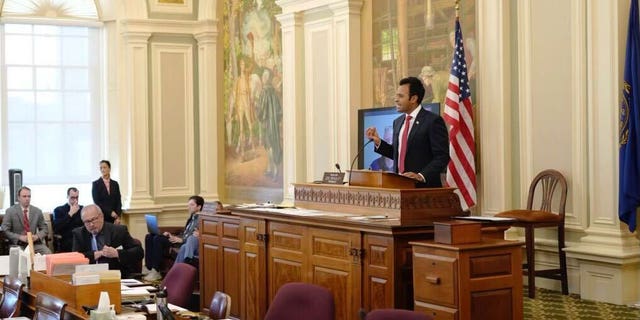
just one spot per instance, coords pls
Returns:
(198, 200)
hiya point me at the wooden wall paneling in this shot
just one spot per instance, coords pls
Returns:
(335, 263)
(210, 261)
(253, 270)
(287, 248)
(230, 251)
(377, 271)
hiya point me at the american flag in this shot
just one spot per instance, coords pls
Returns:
(458, 115)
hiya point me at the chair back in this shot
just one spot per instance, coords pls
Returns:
(547, 182)
(220, 306)
(297, 300)
(394, 314)
(12, 294)
(48, 307)
(180, 281)
(137, 267)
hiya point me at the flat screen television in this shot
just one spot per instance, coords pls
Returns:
(382, 119)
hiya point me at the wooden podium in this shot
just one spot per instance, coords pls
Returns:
(380, 193)
(380, 179)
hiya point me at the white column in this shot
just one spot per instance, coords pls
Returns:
(346, 28)
(493, 112)
(293, 106)
(208, 108)
(135, 104)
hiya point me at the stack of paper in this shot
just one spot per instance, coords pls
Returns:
(84, 278)
(151, 308)
(135, 294)
(64, 263)
(109, 276)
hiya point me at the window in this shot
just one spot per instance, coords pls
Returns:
(51, 103)
(389, 41)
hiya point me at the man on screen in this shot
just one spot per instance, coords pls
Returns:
(383, 163)
(420, 147)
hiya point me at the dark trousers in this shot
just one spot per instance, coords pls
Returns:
(154, 248)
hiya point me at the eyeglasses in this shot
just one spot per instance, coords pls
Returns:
(91, 221)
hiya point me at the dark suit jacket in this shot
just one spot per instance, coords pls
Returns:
(63, 225)
(427, 147)
(13, 224)
(115, 236)
(107, 201)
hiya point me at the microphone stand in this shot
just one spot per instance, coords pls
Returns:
(356, 158)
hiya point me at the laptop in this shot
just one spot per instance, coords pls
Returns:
(152, 224)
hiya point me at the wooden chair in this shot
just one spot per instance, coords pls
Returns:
(220, 306)
(48, 307)
(11, 296)
(546, 182)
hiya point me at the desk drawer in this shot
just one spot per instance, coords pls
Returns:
(435, 311)
(434, 278)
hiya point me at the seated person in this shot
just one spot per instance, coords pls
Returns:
(105, 242)
(22, 218)
(189, 250)
(156, 244)
(66, 218)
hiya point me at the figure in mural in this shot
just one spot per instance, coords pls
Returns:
(270, 114)
(436, 83)
(253, 105)
(244, 109)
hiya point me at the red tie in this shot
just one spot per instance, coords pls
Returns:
(403, 151)
(25, 221)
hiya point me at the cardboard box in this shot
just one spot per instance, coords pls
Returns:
(75, 296)
(457, 232)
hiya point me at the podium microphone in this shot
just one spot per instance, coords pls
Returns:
(356, 158)
(338, 167)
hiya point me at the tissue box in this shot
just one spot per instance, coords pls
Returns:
(457, 232)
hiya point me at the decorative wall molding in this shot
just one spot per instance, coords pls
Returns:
(494, 108)
(135, 129)
(165, 87)
(208, 111)
(169, 26)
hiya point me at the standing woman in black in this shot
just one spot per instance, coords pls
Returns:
(106, 194)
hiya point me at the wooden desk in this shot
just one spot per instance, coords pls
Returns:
(468, 281)
(250, 254)
(366, 263)
(28, 307)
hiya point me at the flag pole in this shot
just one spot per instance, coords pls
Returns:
(457, 9)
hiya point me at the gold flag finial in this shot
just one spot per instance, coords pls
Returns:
(457, 8)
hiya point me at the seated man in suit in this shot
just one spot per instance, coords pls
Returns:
(156, 244)
(66, 218)
(23, 217)
(105, 242)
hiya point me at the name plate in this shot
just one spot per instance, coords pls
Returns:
(333, 178)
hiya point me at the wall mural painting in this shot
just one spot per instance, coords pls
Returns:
(253, 94)
(415, 38)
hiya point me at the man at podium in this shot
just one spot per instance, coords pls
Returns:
(420, 147)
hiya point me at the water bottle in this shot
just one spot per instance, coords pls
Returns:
(161, 303)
